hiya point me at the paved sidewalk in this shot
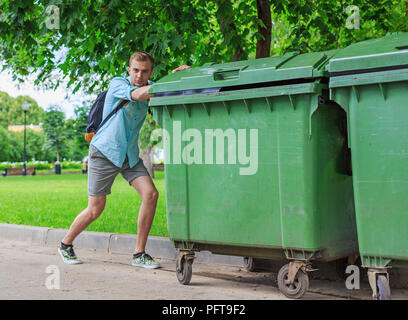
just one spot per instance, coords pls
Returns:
(37, 272)
(26, 253)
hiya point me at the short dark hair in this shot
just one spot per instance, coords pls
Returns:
(141, 56)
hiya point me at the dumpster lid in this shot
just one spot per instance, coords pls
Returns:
(387, 53)
(257, 71)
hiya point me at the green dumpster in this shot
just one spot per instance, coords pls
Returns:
(370, 81)
(256, 164)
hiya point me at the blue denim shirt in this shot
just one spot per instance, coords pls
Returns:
(118, 137)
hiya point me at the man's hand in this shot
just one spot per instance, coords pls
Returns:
(183, 67)
(141, 93)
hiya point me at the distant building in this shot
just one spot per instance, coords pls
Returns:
(20, 127)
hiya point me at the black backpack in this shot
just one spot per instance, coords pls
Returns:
(95, 115)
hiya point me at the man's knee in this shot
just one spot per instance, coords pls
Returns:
(95, 208)
(151, 196)
(94, 212)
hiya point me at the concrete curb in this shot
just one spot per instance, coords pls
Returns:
(159, 247)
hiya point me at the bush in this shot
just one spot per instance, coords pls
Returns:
(3, 166)
(71, 164)
(42, 165)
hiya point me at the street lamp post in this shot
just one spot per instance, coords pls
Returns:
(26, 105)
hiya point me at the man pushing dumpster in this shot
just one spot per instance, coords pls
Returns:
(113, 150)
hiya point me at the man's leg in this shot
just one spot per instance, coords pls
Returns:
(149, 194)
(96, 204)
(101, 175)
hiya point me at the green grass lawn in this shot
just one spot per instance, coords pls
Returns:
(55, 200)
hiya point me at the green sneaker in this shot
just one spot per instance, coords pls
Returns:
(68, 255)
(145, 261)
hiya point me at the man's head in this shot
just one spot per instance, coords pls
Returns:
(140, 68)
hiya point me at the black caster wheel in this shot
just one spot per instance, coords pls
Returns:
(184, 271)
(298, 288)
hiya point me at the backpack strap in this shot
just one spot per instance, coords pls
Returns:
(120, 105)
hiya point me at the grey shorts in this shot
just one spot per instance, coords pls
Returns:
(102, 172)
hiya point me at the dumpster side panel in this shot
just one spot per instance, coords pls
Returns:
(175, 177)
(296, 177)
(235, 194)
(379, 135)
(334, 189)
(317, 193)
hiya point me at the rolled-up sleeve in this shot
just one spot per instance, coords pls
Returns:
(120, 88)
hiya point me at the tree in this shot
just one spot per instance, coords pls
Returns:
(226, 20)
(81, 121)
(11, 111)
(4, 145)
(15, 147)
(69, 150)
(94, 39)
(263, 46)
(35, 145)
(5, 104)
(314, 25)
(54, 130)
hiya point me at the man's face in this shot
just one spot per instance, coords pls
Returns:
(140, 72)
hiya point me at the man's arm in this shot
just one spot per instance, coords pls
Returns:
(141, 93)
(120, 88)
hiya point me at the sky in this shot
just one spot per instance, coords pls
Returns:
(44, 98)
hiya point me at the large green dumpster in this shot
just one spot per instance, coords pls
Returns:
(256, 164)
(370, 81)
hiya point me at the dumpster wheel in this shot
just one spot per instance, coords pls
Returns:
(384, 291)
(184, 267)
(249, 264)
(293, 288)
(379, 283)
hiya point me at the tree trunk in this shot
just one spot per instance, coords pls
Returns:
(263, 46)
(227, 25)
(147, 158)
